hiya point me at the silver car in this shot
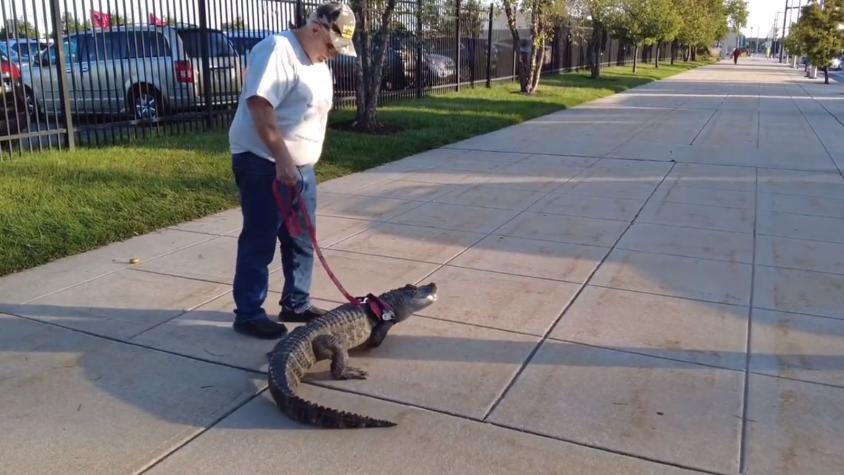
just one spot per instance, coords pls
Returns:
(142, 71)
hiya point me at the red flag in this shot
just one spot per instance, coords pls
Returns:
(100, 19)
(156, 21)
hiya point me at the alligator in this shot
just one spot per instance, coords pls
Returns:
(331, 336)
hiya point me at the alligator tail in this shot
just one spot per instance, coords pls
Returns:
(307, 412)
(282, 384)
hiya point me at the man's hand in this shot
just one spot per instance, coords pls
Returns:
(287, 173)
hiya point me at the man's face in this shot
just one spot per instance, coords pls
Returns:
(326, 49)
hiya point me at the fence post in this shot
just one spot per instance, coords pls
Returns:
(206, 68)
(472, 47)
(457, 38)
(419, 37)
(489, 47)
(300, 14)
(64, 93)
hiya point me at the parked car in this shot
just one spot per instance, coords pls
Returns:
(399, 66)
(142, 71)
(473, 53)
(13, 115)
(21, 50)
(835, 64)
(244, 41)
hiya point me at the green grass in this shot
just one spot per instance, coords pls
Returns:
(55, 204)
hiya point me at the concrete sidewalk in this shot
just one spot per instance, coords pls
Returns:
(649, 283)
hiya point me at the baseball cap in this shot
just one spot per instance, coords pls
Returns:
(340, 21)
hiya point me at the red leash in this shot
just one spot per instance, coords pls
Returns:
(380, 308)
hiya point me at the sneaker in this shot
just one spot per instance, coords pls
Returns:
(288, 315)
(261, 328)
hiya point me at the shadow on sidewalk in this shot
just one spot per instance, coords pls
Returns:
(149, 380)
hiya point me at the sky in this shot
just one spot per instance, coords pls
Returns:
(762, 14)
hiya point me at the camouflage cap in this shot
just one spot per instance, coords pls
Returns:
(339, 19)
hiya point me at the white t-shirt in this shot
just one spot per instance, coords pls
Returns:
(300, 92)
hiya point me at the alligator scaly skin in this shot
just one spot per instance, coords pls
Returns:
(294, 355)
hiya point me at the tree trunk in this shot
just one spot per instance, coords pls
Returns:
(370, 66)
(596, 50)
(635, 56)
(539, 28)
(536, 67)
(826, 75)
(656, 57)
(364, 119)
(694, 54)
(521, 69)
(673, 51)
(524, 71)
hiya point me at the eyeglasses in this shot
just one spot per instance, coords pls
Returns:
(332, 27)
(329, 45)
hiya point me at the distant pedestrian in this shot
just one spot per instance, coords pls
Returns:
(736, 54)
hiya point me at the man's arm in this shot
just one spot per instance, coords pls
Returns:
(267, 129)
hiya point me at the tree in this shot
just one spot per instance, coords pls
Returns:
(471, 17)
(793, 44)
(660, 23)
(702, 23)
(645, 22)
(737, 15)
(625, 28)
(438, 17)
(117, 20)
(544, 15)
(817, 35)
(599, 14)
(372, 35)
(18, 29)
(71, 24)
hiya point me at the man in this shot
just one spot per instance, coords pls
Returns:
(736, 54)
(277, 133)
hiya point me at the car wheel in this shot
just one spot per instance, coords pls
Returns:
(146, 104)
(31, 104)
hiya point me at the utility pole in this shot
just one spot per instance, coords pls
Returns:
(782, 34)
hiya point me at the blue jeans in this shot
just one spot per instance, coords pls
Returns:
(262, 226)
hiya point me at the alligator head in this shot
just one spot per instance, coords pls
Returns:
(410, 299)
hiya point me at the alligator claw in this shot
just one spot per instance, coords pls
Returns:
(353, 373)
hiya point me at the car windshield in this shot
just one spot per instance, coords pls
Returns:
(4, 50)
(48, 56)
(244, 45)
(26, 50)
(21, 50)
(218, 44)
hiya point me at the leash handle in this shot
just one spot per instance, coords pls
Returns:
(295, 229)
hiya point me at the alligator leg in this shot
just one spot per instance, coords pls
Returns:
(379, 333)
(331, 347)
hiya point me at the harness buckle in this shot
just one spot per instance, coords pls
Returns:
(382, 311)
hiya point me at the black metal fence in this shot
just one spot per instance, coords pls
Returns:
(98, 72)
